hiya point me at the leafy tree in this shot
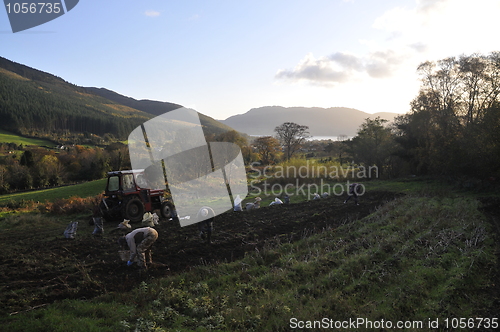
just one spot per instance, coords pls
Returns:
(20, 177)
(52, 169)
(119, 157)
(249, 155)
(268, 148)
(232, 136)
(27, 158)
(291, 137)
(4, 184)
(373, 144)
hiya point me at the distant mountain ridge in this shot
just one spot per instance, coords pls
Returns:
(31, 73)
(149, 106)
(333, 121)
(154, 107)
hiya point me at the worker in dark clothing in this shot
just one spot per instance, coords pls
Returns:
(206, 215)
(354, 189)
(287, 199)
(97, 219)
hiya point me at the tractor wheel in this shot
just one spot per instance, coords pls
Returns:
(134, 210)
(166, 210)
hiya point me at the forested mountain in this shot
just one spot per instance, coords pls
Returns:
(36, 103)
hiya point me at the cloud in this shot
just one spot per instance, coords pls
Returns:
(384, 64)
(311, 69)
(442, 28)
(152, 13)
(427, 6)
(348, 61)
(419, 47)
(342, 67)
(428, 30)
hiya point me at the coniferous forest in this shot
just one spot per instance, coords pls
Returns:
(38, 108)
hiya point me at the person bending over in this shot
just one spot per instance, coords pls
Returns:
(139, 241)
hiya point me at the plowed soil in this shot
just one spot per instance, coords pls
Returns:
(36, 270)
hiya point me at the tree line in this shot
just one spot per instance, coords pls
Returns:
(452, 128)
(454, 123)
(24, 168)
(32, 168)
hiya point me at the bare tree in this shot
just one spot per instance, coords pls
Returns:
(342, 137)
(341, 146)
(461, 88)
(291, 136)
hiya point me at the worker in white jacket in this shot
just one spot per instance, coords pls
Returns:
(139, 241)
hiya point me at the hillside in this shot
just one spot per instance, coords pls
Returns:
(38, 104)
(154, 107)
(332, 121)
(35, 103)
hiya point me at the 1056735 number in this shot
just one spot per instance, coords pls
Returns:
(471, 323)
(33, 7)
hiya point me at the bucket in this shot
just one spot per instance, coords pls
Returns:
(124, 255)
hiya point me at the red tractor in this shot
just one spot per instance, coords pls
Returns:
(128, 196)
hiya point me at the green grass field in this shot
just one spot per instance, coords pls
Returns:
(8, 137)
(83, 190)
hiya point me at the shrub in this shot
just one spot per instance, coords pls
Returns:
(72, 205)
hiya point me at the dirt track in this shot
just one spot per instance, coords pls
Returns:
(46, 270)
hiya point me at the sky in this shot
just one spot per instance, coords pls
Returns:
(225, 57)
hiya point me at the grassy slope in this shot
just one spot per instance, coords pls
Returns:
(419, 257)
(8, 137)
(83, 190)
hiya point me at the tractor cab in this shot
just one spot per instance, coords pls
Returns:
(125, 181)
